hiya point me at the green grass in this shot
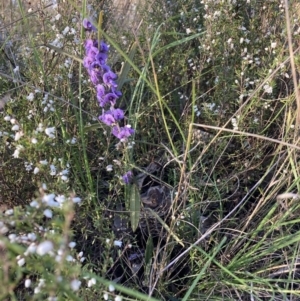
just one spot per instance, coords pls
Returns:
(209, 89)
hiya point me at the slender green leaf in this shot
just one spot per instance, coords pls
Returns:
(126, 67)
(134, 206)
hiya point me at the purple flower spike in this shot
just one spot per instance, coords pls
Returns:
(88, 25)
(107, 118)
(122, 133)
(127, 177)
(109, 79)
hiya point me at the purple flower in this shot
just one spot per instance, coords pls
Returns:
(87, 62)
(109, 98)
(109, 79)
(117, 92)
(122, 133)
(95, 76)
(100, 91)
(88, 25)
(104, 47)
(97, 67)
(88, 44)
(92, 52)
(107, 118)
(101, 58)
(127, 177)
(118, 114)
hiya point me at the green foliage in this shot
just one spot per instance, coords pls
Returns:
(188, 70)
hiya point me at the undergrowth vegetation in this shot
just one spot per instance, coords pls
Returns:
(203, 119)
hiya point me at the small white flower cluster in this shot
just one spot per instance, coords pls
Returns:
(15, 127)
(196, 110)
(268, 89)
(56, 201)
(48, 104)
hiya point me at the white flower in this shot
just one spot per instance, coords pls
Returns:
(118, 243)
(36, 170)
(75, 284)
(111, 288)
(118, 298)
(48, 213)
(30, 97)
(7, 118)
(52, 170)
(188, 31)
(273, 45)
(27, 283)
(50, 132)
(48, 198)
(66, 30)
(60, 198)
(12, 237)
(70, 258)
(72, 244)
(44, 162)
(16, 69)
(17, 151)
(9, 212)
(109, 167)
(44, 248)
(21, 262)
(91, 282)
(76, 200)
(31, 236)
(15, 128)
(34, 204)
(105, 296)
(34, 141)
(268, 89)
(50, 202)
(18, 135)
(64, 178)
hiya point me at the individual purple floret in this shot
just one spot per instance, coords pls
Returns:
(118, 114)
(111, 117)
(127, 177)
(122, 133)
(101, 58)
(107, 118)
(109, 98)
(109, 79)
(88, 25)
